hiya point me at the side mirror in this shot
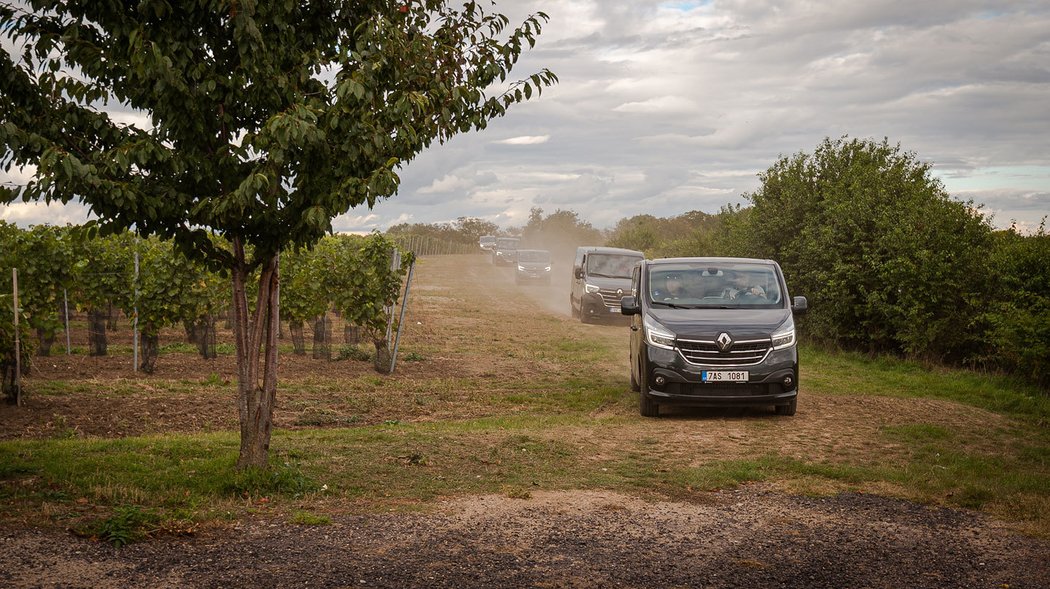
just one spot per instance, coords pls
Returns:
(629, 306)
(799, 305)
(578, 272)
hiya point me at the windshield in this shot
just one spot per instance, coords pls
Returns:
(541, 256)
(715, 284)
(611, 265)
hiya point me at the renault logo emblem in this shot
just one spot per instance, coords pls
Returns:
(619, 292)
(724, 342)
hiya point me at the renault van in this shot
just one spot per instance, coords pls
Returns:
(712, 332)
(601, 276)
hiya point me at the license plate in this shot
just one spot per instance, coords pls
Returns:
(724, 376)
(614, 309)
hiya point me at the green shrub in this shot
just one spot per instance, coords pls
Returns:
(889, 261)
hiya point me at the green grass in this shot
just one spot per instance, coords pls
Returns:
(208, 384)
(842, 373)
(516, 436)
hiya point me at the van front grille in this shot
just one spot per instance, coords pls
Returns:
(611, 298)
(742, 353)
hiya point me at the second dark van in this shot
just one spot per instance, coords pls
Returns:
(601, 276)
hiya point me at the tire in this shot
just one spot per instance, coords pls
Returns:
(646, 406)
(788, 409)
(635, 385)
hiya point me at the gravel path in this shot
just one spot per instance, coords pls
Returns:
(748, 537)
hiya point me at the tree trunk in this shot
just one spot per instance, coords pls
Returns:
(298, 337)
(351, 334)
(150, 349)
(322, 338)
(45, 339)
(201, 333)
(256, 339)
(7, 378)
(191, 331)
(111, 318)
(381, 361)
(207, 336)
(97, 331)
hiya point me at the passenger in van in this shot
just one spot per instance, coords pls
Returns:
(739, 287)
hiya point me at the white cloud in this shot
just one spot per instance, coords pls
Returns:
(39, 213)
(659, 105)
(525, 140)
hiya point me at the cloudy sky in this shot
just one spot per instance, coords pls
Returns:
(664, 107)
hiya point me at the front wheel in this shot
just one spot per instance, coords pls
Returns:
(646, 406)
(788, 409)
(635, 385)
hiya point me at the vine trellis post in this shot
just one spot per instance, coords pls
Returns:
(18, 342)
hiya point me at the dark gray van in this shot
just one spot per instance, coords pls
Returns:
(713, 332)
(601, 276)
(505, 251)
(533, 266)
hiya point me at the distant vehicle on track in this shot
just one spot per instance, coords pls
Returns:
(533, 266)
(601, 276)
(487, 242)
(505, 251)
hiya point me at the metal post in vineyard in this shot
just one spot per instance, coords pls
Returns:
(18, 342)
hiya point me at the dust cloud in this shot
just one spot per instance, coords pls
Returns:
(555, 296)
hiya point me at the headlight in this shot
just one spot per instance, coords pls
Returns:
(547, 269)
(784, 336)
(658, 335)
(590, 288)
(521, 268)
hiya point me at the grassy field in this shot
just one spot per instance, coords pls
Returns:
(505, 394)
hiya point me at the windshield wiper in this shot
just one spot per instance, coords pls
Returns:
(672, 305)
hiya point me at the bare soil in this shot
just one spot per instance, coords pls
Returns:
(754, 536)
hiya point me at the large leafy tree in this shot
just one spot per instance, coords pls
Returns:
(1017, 318)
(473, 228)
(890, 261)
(267, 119)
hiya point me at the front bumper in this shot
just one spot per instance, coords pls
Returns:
(593, 306)
(672, 380)
(533, 276)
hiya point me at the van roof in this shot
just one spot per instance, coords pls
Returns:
(711, 259)
(589, 249)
